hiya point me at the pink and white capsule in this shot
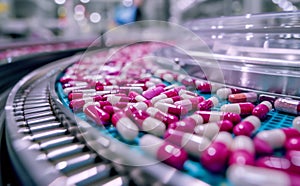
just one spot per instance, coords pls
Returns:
(209, 130)
(161, 116)
(247, 126)
(188, 124)
(292, 144)
(238, 108)
(268, 140)
(169, 100)
(223, 93)
(149, 124)
(208, 104)
(242, 151)
(262, 109)
(136, 96)
(125, 127)
(163, 151)
(214, 116)
(172, 109)
(116, 99)
(96, 114)
(193, 144)
(167, 94)
(246, 175)
(215, 157)
(191, 103)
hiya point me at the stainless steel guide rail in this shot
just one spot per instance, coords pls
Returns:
(50, 146)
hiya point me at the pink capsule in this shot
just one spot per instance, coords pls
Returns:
(161, 116)
(106, 87)
(136, 96)
(239, 108)
(110, 109)
(214, 116)
(151, 93)
(243, 97)
(215, 157)
(209, 130)
(96, 114)
(193, 144)
(163, 151)
(241, 175)
(125, 127)
(78, 104)
(171, 109)
(242, 151)
(208, 104)
(278, 163)
(291, 106)
(225, 125)
(247, 126)
(149, 124)
(292, 143)
(223, 93)
(188, 124)
(262, 109)
(169, 100)
(266, 141)
(100, 104)
(126, 89)
(187, 92)
(191, 103)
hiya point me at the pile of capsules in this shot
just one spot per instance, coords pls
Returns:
(136, 96)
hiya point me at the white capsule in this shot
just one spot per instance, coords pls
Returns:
(158, 98)
(154, 126)
(224, 137)
(244, 175)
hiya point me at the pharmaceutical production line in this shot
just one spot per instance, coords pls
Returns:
(217, 107)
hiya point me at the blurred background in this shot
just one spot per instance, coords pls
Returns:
(48, 20)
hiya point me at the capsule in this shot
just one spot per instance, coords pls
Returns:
(206, 87)
(193, 144)
(225, 125)
(238, 108)
(78, 104)
(208, 104)
(116, 99)
(100, 104)
(293, 156)
(214, 116)
(71, 89)
(171, 109)
(191, 103)
(266, 141)
(246, 175)
(188, 124)
(161, 116)
(290, 106)
(243, 97)
(262, 109)
(215, 157)
(264, 97)
(80, 95)
(247, 127)
(296, 123)
(167, 94)
(163, 151)
(151, 93)
(242, 151)
(137, 106)
(125, 127)
(136, 96)
(96, 114)
(106, 87)
(110, 109)
(209, 130)
(223, 93)
(169, 100)
(187, 92)
(149, 124)
(292, 143)
(185, 80)
(278, 163)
